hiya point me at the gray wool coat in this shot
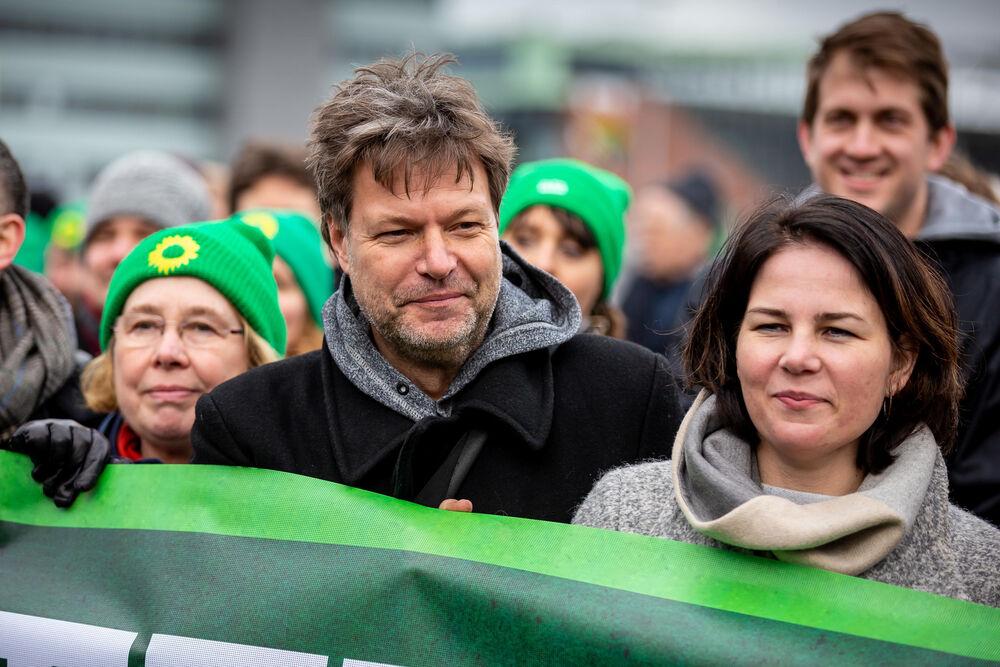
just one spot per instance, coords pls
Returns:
(943, 549)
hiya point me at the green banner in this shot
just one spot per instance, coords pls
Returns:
(201, 565)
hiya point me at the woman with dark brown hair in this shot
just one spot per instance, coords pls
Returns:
(567, 218)
(827, 352)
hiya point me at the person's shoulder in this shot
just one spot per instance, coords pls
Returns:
(278, 378)
(598, 349)
(631, 498)
(976, 545)
(974, 532)
(649, 478)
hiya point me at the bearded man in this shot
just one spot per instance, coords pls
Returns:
(453, 373)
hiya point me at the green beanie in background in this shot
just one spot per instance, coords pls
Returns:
(31, 254)
(296, 241)
(232, 257)
(68, 225)
(598, 197)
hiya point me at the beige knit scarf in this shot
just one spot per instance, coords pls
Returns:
(715, 486)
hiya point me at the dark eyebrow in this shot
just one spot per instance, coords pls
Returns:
(772, 312)
(820, 317)
(404, 221)
(467, 211)
(827, 317)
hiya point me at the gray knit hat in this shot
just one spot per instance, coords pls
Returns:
(152, 185)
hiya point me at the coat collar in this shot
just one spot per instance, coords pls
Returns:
(513, 396)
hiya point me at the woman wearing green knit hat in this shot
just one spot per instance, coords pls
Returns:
(568, 218)
(303, 275)
(187, 309)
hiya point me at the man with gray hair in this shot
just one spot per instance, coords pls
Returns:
(453, 374)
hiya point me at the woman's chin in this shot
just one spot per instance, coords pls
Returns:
(165, 425)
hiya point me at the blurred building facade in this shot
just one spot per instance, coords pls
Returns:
(647, 88)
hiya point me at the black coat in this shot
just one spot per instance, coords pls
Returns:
(972, 269)
(555, 420)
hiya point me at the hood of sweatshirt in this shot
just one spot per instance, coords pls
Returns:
(533, 311)
(953, 213)
(717, 486)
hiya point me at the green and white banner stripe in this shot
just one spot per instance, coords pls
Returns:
(200, 565)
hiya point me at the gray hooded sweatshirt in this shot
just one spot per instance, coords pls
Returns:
(898, 527)
(533, 311)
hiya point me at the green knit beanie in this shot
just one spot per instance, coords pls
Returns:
(597, 196)
(297, 241)
(232, 257)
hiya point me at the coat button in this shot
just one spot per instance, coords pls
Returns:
(402, 388)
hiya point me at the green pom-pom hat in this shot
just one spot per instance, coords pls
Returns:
(232, 257)
(598, 197)
(297, 241)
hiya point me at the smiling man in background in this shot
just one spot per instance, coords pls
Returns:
(875, 127)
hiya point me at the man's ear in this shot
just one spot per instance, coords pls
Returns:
(11, 237)
(942, 143)
(804, 134)
(338, 242)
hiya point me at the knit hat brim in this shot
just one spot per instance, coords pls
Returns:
(232, 257)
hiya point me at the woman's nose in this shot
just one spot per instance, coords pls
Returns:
(170, 350)
(801, 355)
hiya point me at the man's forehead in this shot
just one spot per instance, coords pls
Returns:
(403, 179)
(445, 186)
(845, 72)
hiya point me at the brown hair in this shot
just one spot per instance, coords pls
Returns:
(13, 188)
(97, 378)
(403, 113)
(911, 293)
(257, 160)
(605, 318)
(891, 42)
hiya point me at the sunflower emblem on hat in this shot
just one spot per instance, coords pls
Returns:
(265, 222)
(173, 252)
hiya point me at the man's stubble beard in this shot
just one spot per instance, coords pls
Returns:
(450, 352)
(447, 353)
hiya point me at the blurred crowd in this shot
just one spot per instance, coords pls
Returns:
(393, 306)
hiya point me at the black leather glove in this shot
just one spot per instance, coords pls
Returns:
(68, 456)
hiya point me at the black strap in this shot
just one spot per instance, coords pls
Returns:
(447, 479)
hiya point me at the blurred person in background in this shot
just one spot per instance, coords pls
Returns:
(266, 175)
(62, 256)
(38, 230)
(673, 227)
(830, 393)
(566, 217)
(187, 309)
(875, 127)
(304, 279)
(38, 367)
(131, 198)
(216, 177)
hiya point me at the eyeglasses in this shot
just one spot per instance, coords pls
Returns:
(140, 330)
